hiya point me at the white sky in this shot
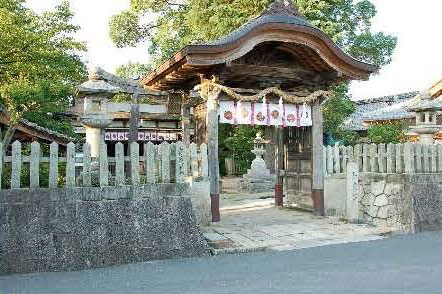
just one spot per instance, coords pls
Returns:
(417, 60)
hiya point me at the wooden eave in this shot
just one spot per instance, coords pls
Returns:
(32, 131)
(193, 60)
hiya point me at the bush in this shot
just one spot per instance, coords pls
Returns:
(385, 133)
(237, 143)
(25, 174)
(347, 137)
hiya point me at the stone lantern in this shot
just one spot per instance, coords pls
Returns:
(258, 164)
(426, 110)
(95, 117)
(258, 177)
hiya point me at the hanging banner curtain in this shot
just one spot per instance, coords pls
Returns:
(265, 114)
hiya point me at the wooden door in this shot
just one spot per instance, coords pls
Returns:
(298, 167)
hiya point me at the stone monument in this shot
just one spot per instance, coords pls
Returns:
(258, 177)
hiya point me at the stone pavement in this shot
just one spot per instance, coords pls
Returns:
(252, 223)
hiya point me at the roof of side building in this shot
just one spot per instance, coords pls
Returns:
(380, 109)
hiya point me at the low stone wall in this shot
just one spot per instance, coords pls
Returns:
(385, 200)
(81, 228)
(402, 202)
(427, 202)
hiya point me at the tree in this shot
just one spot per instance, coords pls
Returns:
(133, 70)
(336, 110)
(39, 64)
(177, 23)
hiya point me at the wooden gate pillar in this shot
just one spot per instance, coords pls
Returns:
(318, 171)
(279, 160)
(185, 123)
(212, 145)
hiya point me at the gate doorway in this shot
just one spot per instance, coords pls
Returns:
(298, 167)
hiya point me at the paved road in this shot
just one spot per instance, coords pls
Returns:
(402, 264)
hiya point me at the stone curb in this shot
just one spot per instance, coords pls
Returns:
(238, 250)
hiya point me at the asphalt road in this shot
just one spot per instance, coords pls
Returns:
(401, 264)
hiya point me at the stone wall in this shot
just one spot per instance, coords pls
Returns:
(427, 202)
(81, 228)
(385, 200)
(400, 202)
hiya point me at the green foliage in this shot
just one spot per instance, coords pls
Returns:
(23, 96)
(390, 132)
(178, 23)
(39, 60)
(237, 142)
(132, 70)
(347, 137)
(127, 98)
(336, 111)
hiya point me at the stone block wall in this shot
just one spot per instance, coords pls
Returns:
(82, 228)
(385, 200)
(401, 202)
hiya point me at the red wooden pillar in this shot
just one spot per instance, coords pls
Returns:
(279, 160)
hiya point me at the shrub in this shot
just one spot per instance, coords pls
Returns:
(384, 133)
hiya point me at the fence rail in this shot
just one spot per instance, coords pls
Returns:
(380, 158)
(164, 163)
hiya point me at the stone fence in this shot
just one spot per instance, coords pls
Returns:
(405, 158)
(164, 163)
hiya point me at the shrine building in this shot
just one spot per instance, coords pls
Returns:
(274, 71)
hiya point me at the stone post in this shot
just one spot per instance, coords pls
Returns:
(318, 169)
(352, 192)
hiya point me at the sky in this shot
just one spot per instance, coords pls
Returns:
(416, 65)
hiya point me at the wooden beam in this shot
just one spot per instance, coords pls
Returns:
(272, 72)
(185, 123)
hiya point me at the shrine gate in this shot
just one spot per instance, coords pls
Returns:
(274, 71)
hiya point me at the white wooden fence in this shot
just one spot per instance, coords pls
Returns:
(164, 163)
(380, 158)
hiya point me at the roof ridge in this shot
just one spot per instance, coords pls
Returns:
(282, 7)
(404, 95)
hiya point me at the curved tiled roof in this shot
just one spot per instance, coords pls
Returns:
(280, 23)
(256, 22)
(378, 109)
(26, 125)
